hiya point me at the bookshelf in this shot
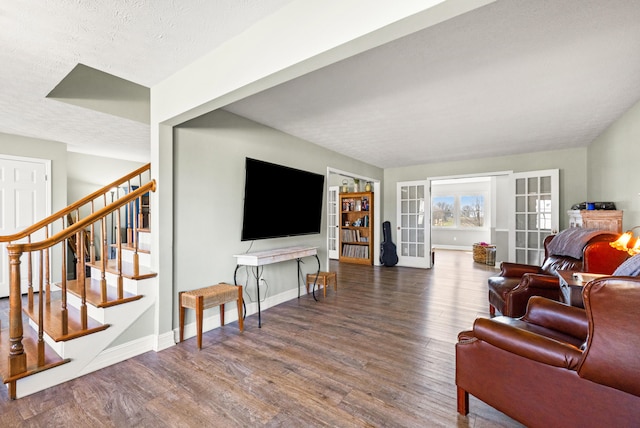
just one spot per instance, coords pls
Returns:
(356, 227)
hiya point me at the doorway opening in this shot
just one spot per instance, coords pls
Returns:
(339, 181)
(471, 209)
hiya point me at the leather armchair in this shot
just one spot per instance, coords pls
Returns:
(510, 291)
(559, 365)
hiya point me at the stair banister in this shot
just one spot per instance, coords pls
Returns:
(86, 221)
(17, 356)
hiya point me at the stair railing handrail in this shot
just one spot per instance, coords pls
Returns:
(74, 206)
(81, 224)
(17, 355)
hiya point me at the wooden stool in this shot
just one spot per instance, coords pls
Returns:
(208, 297)
(323, 278)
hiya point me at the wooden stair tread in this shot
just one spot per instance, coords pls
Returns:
(127, 269)
(143, 249)
(30, 344)
(53, 321)
(94, 294)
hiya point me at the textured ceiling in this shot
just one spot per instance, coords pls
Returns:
(141, 41)
(507, 78)
(511, 77)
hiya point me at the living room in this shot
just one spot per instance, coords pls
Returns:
(200, 165)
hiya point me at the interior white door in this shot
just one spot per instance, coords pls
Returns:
(332, 222)
(536, 214)
(23, 202)
(414, 220)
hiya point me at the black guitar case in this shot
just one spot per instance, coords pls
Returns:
(388, 254)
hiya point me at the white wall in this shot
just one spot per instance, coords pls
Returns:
(613, 167)
(87, 173)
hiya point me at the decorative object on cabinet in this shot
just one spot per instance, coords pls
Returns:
(596, 219)
(356, 230)
(596, 206)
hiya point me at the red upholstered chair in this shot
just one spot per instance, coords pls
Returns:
(510, 291)
(559, 365)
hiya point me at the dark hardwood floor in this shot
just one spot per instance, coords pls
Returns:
(378, 353)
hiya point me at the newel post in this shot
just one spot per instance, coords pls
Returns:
(17, 356)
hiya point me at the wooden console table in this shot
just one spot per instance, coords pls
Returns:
(257, 259)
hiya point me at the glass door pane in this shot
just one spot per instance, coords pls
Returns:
(536, 214)
(332, 222)
(414, 212)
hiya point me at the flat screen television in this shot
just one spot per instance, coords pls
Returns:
(280, 201)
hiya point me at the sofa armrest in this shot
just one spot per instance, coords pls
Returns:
(557, 316)
(539, 280)
(527, 344)
(517, 269)
(530, 285)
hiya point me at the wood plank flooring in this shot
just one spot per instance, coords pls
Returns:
(378, 353)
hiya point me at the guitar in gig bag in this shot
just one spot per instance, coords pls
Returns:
(388, 254)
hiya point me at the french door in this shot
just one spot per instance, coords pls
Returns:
(414, 224)
(23, 202)
(535, 208)
(332, 222)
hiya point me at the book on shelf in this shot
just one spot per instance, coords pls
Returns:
(355, 251)
(351, 235)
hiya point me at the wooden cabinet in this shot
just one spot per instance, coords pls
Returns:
(610, 220)
(356, 227)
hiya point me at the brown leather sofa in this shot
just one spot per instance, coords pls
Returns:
(559, 365)
(510, 291)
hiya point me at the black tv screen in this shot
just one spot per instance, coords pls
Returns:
(280, 201)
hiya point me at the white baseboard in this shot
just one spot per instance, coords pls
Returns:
(120, 353)
(164, 341)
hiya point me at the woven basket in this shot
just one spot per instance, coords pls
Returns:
(480, 253)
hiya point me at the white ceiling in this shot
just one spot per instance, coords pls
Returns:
(511, 77)
(141, 41)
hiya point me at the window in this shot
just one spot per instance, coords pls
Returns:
(442, 210)
(463, 211)
(472, 211)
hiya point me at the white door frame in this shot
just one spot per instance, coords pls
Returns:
(407, 260)
(555, 212)
(332, 223)
(377, 204)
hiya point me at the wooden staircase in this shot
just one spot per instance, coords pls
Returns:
(100, 286)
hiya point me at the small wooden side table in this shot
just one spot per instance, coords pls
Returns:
(571, 284)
